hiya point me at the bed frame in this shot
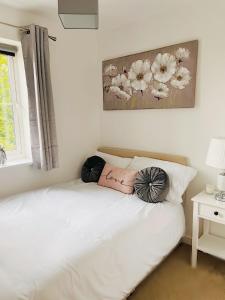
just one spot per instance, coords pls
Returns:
(131, 153)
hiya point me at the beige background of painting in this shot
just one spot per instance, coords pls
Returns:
(176, 98)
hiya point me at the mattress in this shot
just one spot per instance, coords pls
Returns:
(83, 242)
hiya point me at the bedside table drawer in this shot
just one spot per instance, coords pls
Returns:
(213, 213)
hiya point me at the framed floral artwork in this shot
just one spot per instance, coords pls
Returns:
(161, 78)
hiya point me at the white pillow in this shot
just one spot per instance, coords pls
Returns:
(179, 176)
(120, 162)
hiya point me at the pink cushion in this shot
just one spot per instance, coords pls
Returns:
(118, 179)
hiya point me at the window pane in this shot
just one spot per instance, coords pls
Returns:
(7, 128)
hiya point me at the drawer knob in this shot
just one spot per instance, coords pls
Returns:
(216, 213)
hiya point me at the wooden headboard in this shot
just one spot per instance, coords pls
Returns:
(131, 153)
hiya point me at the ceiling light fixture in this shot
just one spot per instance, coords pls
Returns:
(78, 14)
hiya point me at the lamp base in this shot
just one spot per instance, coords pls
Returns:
(221, 181)
(220, 196)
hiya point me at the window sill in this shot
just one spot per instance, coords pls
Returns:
(22, 162)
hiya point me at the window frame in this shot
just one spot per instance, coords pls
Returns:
(18, 90)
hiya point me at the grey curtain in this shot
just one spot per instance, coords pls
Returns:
(41, 109)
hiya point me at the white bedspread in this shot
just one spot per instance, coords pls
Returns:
(81, 242)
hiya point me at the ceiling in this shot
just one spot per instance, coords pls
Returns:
(113, 13)
(36, 6)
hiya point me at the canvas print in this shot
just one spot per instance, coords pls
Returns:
(160, 78)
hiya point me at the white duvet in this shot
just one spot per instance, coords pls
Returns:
(82, 242)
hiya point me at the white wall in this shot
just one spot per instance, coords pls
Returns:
(76, 98)
(178, 131)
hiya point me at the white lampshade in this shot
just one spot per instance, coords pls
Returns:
(216, 153)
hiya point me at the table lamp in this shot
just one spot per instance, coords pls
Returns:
(216, 159)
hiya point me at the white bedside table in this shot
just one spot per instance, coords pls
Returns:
(208, 209)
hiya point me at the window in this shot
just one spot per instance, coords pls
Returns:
(14, 124)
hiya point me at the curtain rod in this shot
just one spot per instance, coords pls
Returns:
(25, 29)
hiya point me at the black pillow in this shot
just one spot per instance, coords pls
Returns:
(152, 185)
(92, 169)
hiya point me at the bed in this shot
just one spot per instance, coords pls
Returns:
(84, 242)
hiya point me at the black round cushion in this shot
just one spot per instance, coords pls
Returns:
(152, 185)
(92, 169)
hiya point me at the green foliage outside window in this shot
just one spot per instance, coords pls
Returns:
(7, 129)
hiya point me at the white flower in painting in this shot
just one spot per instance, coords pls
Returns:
(140, 75)
(111, 70)
(119, 93)
(121, 87)
(182, 54)
(160, 90)
(181, 78)
(164, 67)
(123, 83)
